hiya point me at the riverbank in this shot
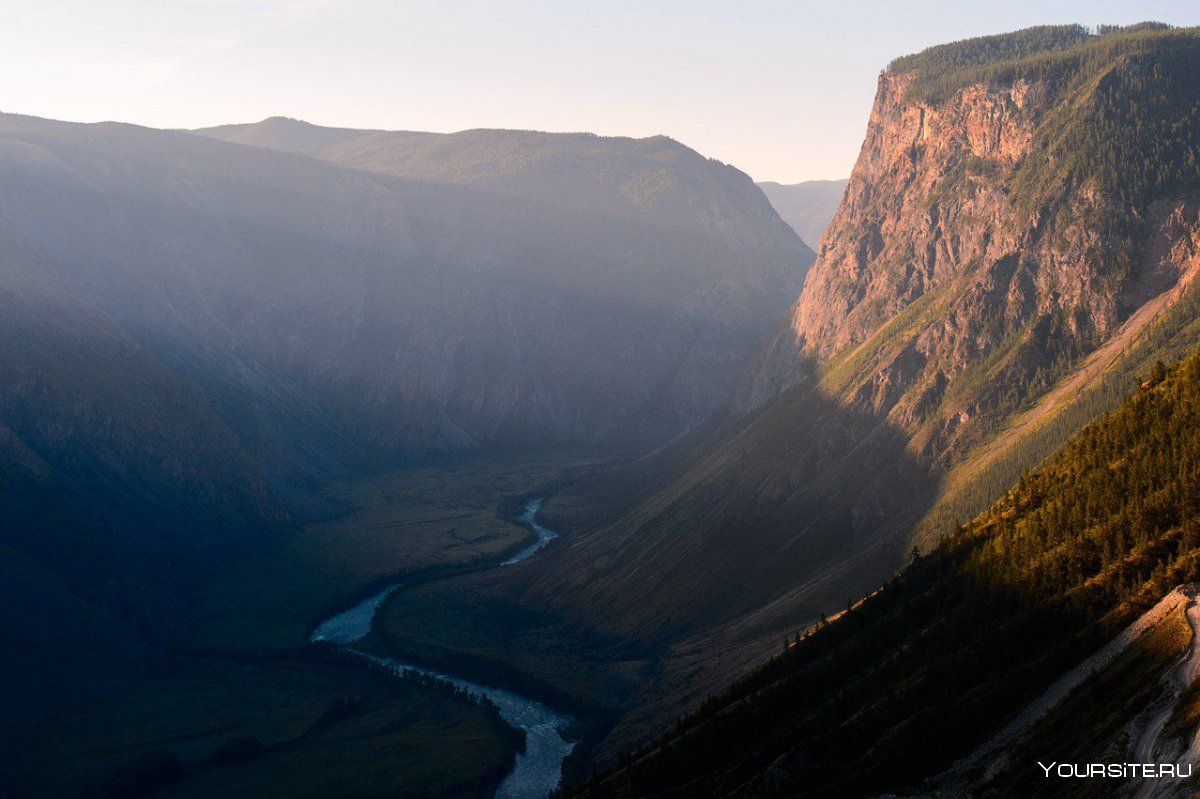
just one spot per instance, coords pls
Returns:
(249, 672)
(538, 767)
(419, 523)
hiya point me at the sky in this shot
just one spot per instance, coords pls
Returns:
(781, 90)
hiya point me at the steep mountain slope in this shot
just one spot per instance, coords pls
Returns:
(979, 210)
(808, 207)
(119, 491)
(454, 317)
(923, 671)
(983, 291)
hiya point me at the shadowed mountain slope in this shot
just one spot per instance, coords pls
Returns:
(943, 310)
(925, 670)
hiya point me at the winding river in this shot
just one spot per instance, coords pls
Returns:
(538, 770)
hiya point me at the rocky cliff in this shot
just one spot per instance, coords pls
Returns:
(1015, 239)
(946, 268)
(1012, 235)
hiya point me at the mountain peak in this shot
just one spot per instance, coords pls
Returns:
(284, 133)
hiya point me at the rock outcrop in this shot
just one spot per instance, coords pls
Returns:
(972, 263)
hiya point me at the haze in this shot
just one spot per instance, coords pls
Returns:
(779, 89)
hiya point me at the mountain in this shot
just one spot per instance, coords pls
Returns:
(202, 328)
(661, 198)
(968, 297)
(808, 207)
(199, 334)
(493, 300)
(655, 180)
(928, 668)
(987, 287)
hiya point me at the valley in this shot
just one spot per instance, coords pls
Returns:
(538, 768)
(357, 462)
(438, 519)
(249, 673)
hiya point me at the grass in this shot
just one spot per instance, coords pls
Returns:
(404, 522)
(325, 729)
(887, 341)
(1029, 435)
(327, 726)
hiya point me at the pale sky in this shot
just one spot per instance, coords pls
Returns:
(779, 89)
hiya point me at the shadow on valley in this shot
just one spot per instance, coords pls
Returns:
(682, 569)
(143, 717)
(924, 671)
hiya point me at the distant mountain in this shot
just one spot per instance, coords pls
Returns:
(656, 181)
(808, 207)
(198, 333)
(987, 287)
(653, 189)
(453, 316)
(289, 135)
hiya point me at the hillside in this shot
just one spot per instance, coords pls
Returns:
(923, 671)
(494, 301)
(119, 490)
(808, 207)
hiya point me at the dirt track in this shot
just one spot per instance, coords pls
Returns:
(993, 752)
(1148, 739)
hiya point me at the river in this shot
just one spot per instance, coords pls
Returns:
(538, 770)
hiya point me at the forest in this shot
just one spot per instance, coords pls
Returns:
(1127, 114)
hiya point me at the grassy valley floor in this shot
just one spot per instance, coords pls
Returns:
(251, 709)
(453, 515)
(227, 729)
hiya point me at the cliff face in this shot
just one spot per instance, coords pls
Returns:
(892, 216)
(950, 289)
